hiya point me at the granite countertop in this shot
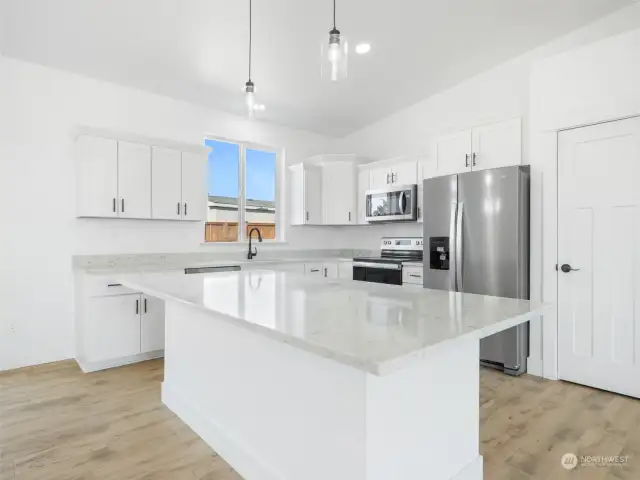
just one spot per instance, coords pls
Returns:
(374, 327)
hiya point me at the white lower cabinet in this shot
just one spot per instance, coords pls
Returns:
(151, 324)
(345, 270)
(112, 327)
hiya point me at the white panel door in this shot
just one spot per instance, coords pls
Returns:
(166, 183)
(339, 193)
(295, 194)
(194, 186)
(364, 178)
(405, 173)
(96, 177)
(151, 324)
(112, 328)
(497, 145)
(452, 153)
(312, 195)
(380, 178)
(598, 236)
(134, 180)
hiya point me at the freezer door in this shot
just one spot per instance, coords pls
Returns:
(494, 251)
(439, 209)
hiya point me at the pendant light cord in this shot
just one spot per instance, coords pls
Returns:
(250, 40)
(334, 14)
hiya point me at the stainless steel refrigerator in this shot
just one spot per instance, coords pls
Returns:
(476, 240)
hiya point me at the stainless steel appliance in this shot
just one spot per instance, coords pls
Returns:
(393, 204)
(476, 228)
(387, 268)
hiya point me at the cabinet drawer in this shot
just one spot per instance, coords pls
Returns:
(99, 286)
(412, 275)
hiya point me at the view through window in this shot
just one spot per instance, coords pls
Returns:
(241, 181)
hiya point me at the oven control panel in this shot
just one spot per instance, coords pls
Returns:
(404, 243)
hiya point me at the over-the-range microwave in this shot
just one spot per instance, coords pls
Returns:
(392, 204)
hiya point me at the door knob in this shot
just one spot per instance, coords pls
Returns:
(566, 268)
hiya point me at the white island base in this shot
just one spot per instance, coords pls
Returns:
(276, 412)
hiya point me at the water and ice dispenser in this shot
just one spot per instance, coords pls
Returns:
(439, 253)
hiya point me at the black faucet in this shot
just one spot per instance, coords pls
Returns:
(254, 252)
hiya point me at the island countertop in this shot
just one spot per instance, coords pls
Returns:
(376, 328)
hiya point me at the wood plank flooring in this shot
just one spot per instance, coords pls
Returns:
(57, 423)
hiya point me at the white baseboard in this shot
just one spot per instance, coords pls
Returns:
(88, 367)
(235, 454)
(473, 471)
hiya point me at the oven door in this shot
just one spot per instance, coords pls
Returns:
(389, 205)
(378, 272)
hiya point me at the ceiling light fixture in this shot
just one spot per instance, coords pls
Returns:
(334, 53)
(363, 48)
(249, 87)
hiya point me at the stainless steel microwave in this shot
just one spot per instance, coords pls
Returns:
(393, 204)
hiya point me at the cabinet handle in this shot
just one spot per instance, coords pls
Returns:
(185, 209)
(387, 179)
(393, 177)
(178, 209)
(325, 271)
(474, 159)
(114, 204)
(349, 216)
(137, 307)
(145, 305)
(466, 160)
(415, 275)
(314, 270)
(114, 285)
(307, 216)
(122, 205)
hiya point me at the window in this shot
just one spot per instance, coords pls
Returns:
(242, 181)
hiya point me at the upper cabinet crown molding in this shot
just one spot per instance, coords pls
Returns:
(118, 178)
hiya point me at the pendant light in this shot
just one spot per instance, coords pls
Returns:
(334, 52)
(249, 87)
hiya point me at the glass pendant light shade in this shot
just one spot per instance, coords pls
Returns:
(250, 97)
(334, 55)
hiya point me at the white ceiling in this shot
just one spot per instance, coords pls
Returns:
(196, 50)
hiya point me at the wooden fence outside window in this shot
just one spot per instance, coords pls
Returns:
(228, 231)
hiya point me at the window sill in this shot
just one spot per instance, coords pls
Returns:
(245, 243)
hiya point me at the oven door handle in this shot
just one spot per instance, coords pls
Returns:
(383, 266)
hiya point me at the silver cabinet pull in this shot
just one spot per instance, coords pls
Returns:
(307, 216)
(114, 204)
(393, 177)
(466, 160)
(185, 209)
(114, 285)
(122, 205)
(387, 179)
(178, 209)
(137, 307)
(473, 162)
(415, 275)
(314, 270)
(325, 271)
(349, 216)
(145, 305)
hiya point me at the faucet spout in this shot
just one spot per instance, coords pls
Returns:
(253, 252)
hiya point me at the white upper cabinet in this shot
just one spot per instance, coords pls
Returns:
(166, 184)
(404, 173)
(479, 148)
(96, 177)
(194, 186)
(305, 194)
(364, 179)
(339, 193)
(452, 153)
(497, 145)
(134, 180)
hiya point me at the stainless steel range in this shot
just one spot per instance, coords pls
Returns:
(387, 267)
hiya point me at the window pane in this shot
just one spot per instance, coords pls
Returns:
(260, 179)
(222, 182)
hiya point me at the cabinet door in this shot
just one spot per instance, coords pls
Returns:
(134, 180)
(497, 145)
(380, 178)
(405, 173)
(166, 184)
(330, 269)
(364, 178)
(194, 186)
(151, 324)
(295, 197)
(312, 195)
(452, 153)
(112, 327)
(339, 193)
(96, 177)
(345, 270)
(426, 169)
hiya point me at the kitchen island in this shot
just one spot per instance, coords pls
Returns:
(296, 378)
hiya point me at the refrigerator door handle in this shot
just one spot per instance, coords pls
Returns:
(452, 245)
(459, 247)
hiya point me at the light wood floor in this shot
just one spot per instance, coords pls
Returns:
(57, 423)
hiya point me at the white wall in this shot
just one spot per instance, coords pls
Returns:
(39, 110)
(498, 94)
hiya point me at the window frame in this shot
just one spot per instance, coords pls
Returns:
(279, 190)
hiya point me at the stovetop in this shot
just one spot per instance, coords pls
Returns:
(397, 250)
(390, 259)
